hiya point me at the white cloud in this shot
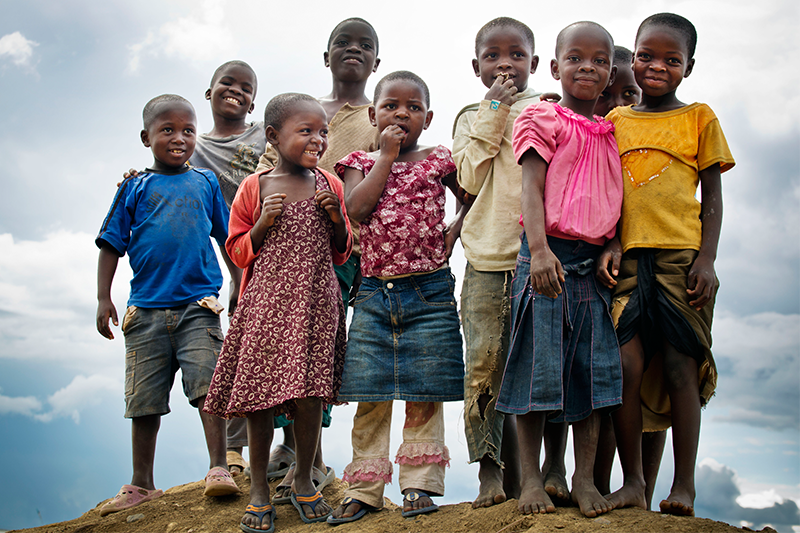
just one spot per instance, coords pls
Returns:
(18, 49)
(199, 37)
(21, 405)
(81, 393)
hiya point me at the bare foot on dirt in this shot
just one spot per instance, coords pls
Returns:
(679, 502)
(630, 495)
(555, 484)
(491, 489)
(347, 510)
(252, 520)
(534, 500)
(585, 495)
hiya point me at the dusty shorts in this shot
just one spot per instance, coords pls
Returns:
(158, 342)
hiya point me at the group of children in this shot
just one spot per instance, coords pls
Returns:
(587, 296)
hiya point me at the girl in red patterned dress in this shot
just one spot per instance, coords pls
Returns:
(405, 339)
(284, 350)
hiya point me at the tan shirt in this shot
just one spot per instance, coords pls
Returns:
(487, 169)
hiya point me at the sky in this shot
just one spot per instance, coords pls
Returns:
(74, 77)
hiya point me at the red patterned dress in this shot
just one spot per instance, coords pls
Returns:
(287, 337)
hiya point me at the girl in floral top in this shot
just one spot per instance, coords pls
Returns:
(404, 341)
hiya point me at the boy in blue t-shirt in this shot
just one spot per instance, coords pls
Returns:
(163, 219)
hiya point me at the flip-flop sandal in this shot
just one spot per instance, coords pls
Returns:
(311, 500)
(127, 497)
(320, 479)
(361, 512)
(259, 512)
(235, 460)
(220, 483)
(283, 462)
(279, 500)
(413, 496)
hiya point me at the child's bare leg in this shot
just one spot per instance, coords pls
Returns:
(259, 439)
(216, 437)
(604, 458)
(681, 377)
(652, 449)
(628, 428)
(584, 493)
(490, 474)
(555, 472)
(307, 426)
(144, 430)
(509, 454)
(530, 430)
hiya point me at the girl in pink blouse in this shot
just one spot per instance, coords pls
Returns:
(564, 362)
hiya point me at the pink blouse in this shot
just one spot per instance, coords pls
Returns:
(405, 232)
(583, 186)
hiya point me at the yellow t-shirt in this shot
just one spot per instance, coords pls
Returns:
(662, 154)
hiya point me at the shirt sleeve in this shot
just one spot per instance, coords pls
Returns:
(244, 212)
(116, 228)
(476, 143)
(268, 160)
(713, 148)
(220, 213)
(536, 128)
(354, 160)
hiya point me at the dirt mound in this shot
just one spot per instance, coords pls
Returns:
(184, 509)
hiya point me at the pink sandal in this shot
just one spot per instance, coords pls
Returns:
(129, 496)
(220, 483)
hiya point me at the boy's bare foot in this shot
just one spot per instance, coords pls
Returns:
(555, 484)
(491, 490)
(259, 516)
(585, 495)
(679, 502)
(630, 495)
(534, 500)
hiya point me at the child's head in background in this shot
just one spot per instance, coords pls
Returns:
(402, 99)
(504, 49)
(623, 91)
(664, 53)
(352, 53)
(583, 64)
(170, 131)
(232, 91)
(297, 127)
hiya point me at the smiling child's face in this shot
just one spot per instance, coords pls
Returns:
(623, 92)
(661, 60)
(353, 52)
(584, 62)
(402, 103)
(232, 92)
(303, 137)
(505, 51)
(171, 135)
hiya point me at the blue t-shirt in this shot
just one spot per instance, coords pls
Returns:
(163, 222)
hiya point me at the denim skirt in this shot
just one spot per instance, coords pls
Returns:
(404, 341)
(563, 356)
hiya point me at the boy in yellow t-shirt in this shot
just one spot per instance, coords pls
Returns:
(664, 257)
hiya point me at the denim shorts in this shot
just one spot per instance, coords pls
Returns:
(158, 342)
(405, 341)
(564, 357)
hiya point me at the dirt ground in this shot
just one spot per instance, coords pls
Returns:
(184, 509)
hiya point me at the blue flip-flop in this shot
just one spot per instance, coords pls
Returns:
(259, 511)
(413, 496)
(365, 508)
(312, 500)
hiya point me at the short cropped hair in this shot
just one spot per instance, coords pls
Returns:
(151, 108)
(236, 63)
(403, 75)
(347, 21)
(622, 56)
(562, 33)
(674, 22)
(504, 22)
(281, 106)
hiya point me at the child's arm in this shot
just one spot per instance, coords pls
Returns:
(328, 200)
(363, 192)
(236, 278)
(271, 208)
(241, 245)
(547, 274)
(702, 278)
(612, 253)
(453, 230)
(106, 268)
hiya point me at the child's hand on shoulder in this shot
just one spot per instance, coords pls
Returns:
(702, 282)
(328, 201)
(503, 90)
(547, 274)
(271, 208)
(392, 138)
(612, 253)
